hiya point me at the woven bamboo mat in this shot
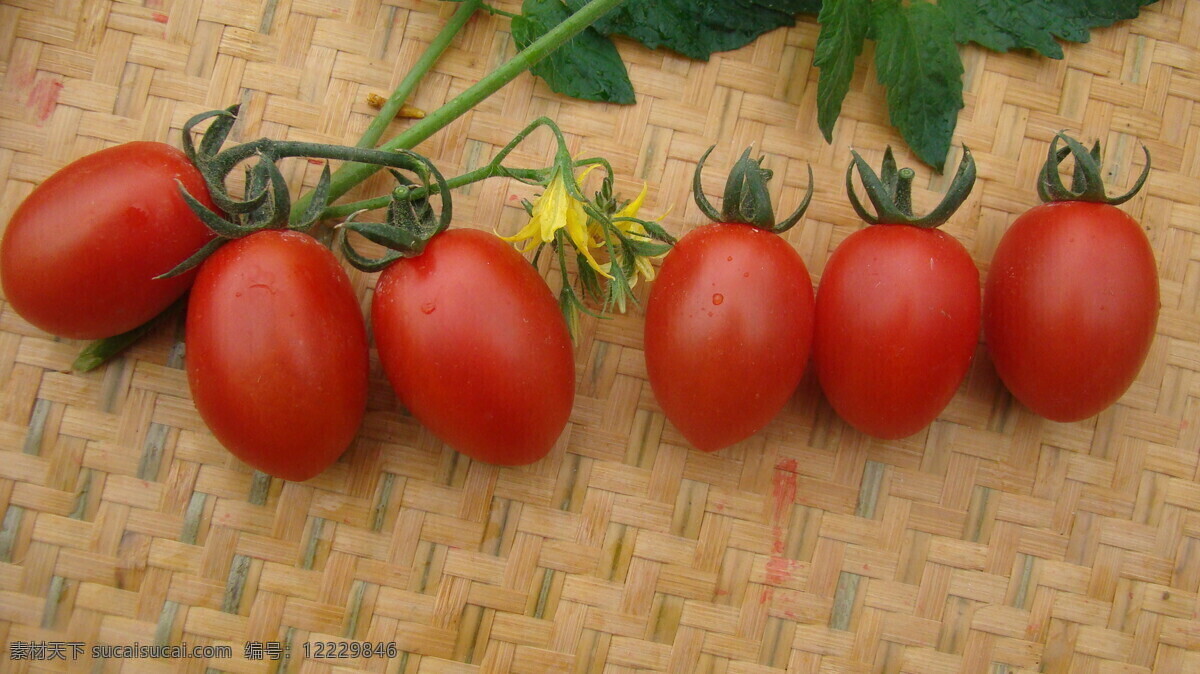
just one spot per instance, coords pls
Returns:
(992, 542)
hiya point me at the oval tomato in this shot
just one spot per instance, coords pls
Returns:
(728, 330)
(474, 345)
(897, 324)
(277, 353)
(81, 252)
(1070, 307)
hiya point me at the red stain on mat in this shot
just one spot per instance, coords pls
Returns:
(779, 568)
(768, 593)
(43, 98)
(785, 489)
(159, 17)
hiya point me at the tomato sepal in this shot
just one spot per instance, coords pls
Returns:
(267, 203)
(409, 224)
(747, 200)
(320, 201)
(214, 137)
(195, 259)
(1087, 183)
(890, 191)
(215, 221)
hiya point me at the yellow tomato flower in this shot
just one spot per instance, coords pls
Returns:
(634, 230)
(556, 209)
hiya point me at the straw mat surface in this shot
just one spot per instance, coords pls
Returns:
(993, 541)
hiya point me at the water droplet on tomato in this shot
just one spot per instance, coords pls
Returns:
(729, 259)
(428, 308)
(718, 298)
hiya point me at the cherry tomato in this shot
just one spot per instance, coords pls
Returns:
(277, 353)
(473, 343)
(81, 252)
(897, 324)
(729, 324)
(1070, 307)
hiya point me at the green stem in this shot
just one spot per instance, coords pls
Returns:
(904, 181)
(483, 173)
(490, 9)
(100, 351)
(391, 108)
(224, 163)
(494, 168)
(352, 174)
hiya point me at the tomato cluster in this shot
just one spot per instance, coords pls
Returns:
(277, 347)
(473, 341)
(1068, 310)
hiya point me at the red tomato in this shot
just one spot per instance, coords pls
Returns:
(277, 353)
(897, 325)
(474, 345)
(729, 323)
(1070, 307)
(81, 252)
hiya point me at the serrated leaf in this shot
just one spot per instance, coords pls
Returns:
(1003, 25)
(844, 25)
(917, 61)
(588, 66)
(698, 28)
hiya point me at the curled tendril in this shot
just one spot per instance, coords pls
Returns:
(409, 224)
(357, 259)
(890, 192)
(1087, 183)
(214, 137)
(267, 203)
(746, 198)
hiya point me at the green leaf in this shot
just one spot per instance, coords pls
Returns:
(917, 60)
(587, 67)
(844, 26)
(697, 28)
(810, 7)
(916, 55)
(1003, 25)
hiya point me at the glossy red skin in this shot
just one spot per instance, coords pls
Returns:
(277, 353)
(729, 323)
(897, 325)
(81, 252)
(1070, 307)
(474, 344)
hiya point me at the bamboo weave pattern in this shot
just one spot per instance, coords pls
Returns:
(994, 541)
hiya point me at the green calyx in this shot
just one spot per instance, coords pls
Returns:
(890, 192)
(409, 225)
(746, 199)
(267, 204)
(1087, 183)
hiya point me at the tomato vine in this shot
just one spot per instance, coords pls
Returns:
(267, 203)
